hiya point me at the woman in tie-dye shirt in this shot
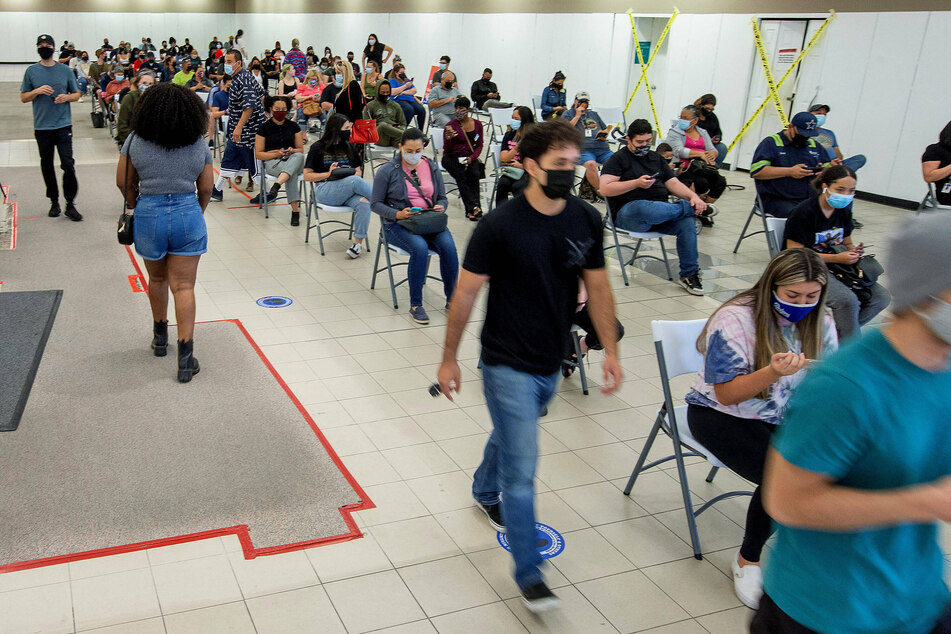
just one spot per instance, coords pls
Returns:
(757, 348)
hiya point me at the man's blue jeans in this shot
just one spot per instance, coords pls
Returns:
(675, 219)
(418, 248)
(856, 162)
(514, 399)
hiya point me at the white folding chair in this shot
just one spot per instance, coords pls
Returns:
(757, 210)
(930, 201)
(385, 248)
(675, 343)
(437, 141)
(640, 237)
(386, 155)
(265, 180)
(537, 107)
(775, 229)
(313, 209)
(498, 120)
(495, 151)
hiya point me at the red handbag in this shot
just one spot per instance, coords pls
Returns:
(364, 130)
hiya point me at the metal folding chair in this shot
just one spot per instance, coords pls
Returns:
(930, 201)
(675, 343)
(775, 229)
(636, 255)
(313, 207)
(757, 210)
(385, 248)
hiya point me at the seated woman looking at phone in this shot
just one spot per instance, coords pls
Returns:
(408, 186)
(756, 348)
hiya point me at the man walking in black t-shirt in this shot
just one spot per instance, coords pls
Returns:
(532, 250)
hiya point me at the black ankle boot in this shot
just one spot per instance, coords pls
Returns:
(275, 190)
(160, 337)
(295, 218)
(187, 363)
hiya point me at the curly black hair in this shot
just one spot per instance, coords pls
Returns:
(170, 116)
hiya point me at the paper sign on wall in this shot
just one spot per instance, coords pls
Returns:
(787, 55)
(645, 51)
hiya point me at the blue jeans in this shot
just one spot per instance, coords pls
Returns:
(721, 153)
(508, 465)
(675, 219)
(418, 248)
(83, 84)
(412, 107)
(169, 224)
(348, 192)
(598, 157)
(856, 162)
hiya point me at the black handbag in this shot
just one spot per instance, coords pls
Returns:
(124, 230)
(426, 222)
(341, 173)
(98, 121)
(472, 149)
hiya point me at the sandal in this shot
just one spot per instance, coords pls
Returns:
(474, 215)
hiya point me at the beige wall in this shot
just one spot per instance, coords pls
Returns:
(762, 7)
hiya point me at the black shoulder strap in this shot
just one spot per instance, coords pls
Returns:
(413, 183)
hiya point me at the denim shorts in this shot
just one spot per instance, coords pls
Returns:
(169, 224)
(598, 157)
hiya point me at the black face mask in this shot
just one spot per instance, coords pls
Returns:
(447, 85)
(799, 140)
(382, 98)
(345, 136)
(402, 76)
(44, 52)
(559, 184)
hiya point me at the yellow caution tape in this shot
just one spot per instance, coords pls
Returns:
(782, 80)
(640, 60)
(770, 82)
(644, 69)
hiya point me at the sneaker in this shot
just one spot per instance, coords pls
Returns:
(250, 187)
(237, 180)
(705, 221)
(747, 583)
(692, 284)
(419, 315)
(538, 598)
(72, 213)
(355, 250)
(711, 211)
(217, 195)
(494, 513)
(857, 224)
(82, 99)
(295, 218)
(54, 209)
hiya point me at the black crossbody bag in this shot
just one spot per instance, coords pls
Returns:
(426, 222)
(124, 231)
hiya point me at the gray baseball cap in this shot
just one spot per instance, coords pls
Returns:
(918, 259)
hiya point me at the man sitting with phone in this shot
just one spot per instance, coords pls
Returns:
(784, 163)
(595, 150)
(637, 183)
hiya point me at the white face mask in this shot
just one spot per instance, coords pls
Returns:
(413, 157)
(938, 319)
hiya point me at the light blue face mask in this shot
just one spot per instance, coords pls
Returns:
(229, 69)
(839, 201)
(442, 65)
(792, 312)
(412, 157)
(820, 120)
(683, 124)
(338, 81)
(515, 124)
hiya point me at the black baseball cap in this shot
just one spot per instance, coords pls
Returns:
(45, 39)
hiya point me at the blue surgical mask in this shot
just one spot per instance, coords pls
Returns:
(412, 157)
(820, 120)
(683, 124)
(120, 77)
(792, 312)
(442, 65)
(338, 81)
(839, 201)
(515, 124)
(229, 69)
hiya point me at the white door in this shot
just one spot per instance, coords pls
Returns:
(783, 41)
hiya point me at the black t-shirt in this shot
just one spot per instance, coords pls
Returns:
(533, 262)
(628, 167)
(187, 49)
(375, 53)
(711, 124)
(808, 226)
(942, 154)
(320, 160)
(278, 137)
(349, 102)
(329, 94)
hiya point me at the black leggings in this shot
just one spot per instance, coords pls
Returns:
(582, 319)
(712, 186)
(509, 187)
(740, 444)
(467, 179)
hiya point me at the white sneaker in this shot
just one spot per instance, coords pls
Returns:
(82, 99)
(355, 250)
(747, 583)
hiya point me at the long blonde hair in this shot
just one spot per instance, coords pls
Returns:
(788, 267)
(345, 69)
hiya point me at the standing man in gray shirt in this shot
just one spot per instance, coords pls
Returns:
(51, 86)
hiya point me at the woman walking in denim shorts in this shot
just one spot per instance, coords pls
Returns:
(162, 164)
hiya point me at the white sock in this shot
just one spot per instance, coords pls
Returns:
(219, 184)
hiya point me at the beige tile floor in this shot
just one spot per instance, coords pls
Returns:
(428, 562)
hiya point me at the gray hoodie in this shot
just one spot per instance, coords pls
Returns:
(677, 137)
